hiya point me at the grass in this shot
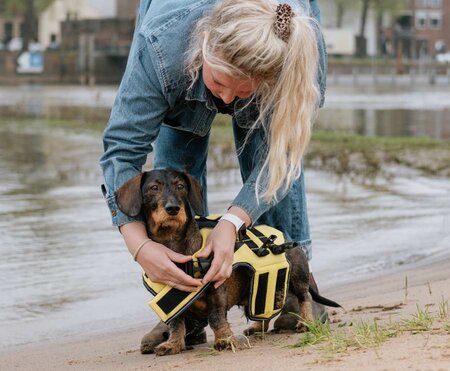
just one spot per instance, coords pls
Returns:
(369, 334)
(366, 157)
(443, 310)
(420, 321)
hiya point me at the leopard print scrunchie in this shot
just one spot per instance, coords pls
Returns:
(282, 25)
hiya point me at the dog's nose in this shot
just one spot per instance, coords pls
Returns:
(172, 209)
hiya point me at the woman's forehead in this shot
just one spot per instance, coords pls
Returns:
(231, 82)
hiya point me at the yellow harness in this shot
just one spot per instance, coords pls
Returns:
(262, 250)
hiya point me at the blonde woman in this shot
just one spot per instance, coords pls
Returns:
(260, 61)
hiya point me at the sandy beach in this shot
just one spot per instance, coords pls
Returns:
(384, 300)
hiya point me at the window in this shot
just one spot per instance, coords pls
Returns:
(421, 20)
(435, 3)
(421, 3)
(7, 32)
(435, 19)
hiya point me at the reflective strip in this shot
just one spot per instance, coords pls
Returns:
(281, 284)
(260, 301)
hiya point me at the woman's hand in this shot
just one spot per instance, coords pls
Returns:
(159, 263)
(157, 260)
(221, 243)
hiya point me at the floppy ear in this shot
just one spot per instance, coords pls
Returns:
(195, 195)
(129, 196)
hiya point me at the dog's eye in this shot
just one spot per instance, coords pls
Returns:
(180, 186)
(154, 187)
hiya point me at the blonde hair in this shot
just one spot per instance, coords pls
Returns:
(238, 38)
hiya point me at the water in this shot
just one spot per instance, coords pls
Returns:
(367, 109)
(388, 110)
(65, 271)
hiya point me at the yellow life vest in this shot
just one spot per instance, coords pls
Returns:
(262, 250)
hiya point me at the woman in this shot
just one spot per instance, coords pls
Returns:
(260, 61)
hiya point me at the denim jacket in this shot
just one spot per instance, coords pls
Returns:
(153, 92)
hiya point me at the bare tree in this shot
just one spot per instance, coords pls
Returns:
(380, 7)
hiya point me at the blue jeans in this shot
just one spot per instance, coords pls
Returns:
(185, 151)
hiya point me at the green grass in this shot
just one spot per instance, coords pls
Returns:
(420, 321)
(365, 158)
(369, 334)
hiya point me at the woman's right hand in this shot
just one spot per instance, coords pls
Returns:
(157, 260)
(159, 263)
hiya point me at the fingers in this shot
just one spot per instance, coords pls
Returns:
(213, 269)
(178, 258)
(219, 271)
(181, 287)
(218, 284)
(178, 277)
(205, 252)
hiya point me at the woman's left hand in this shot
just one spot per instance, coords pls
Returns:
(221, 243)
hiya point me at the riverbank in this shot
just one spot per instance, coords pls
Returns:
(359, 158)
(393, 322)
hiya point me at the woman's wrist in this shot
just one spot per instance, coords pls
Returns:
(135, 237)
(241, 214)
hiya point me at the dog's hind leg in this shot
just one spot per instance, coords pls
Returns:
(306, 314)
(175, 343)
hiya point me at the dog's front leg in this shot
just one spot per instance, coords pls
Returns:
(175, 343)
(217, 317)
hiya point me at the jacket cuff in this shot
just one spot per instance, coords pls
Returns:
(118, 217)
(246, 200)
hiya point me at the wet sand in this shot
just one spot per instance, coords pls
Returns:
(381, 299)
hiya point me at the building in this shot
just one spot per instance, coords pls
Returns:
(68, 10)
(423, 30)
(10, 28)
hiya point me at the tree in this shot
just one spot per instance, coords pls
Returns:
(380, 7)
(28, 9)
(341, 7)
(391, 7)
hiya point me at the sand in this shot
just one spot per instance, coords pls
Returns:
(383, 299)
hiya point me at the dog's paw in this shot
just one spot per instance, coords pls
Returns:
(257, 327)
(232, 343)
(301, 326)
(168, 348)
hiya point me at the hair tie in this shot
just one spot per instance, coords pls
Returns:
(282, 25)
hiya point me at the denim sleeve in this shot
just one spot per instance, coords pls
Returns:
(323, 59)
(136, 117)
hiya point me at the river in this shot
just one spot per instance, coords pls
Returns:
(66, 272)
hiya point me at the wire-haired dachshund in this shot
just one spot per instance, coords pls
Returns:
(168, 200)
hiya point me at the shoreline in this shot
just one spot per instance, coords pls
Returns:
(380, 299)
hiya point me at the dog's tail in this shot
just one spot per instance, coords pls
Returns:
(322, 300)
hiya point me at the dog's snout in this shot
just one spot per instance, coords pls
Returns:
(172, 209)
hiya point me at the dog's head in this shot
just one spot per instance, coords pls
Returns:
(164, 196)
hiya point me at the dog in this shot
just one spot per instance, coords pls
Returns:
(168, 199)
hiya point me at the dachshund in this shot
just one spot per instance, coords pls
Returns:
(168, 200)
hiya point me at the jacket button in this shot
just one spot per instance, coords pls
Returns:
(114, 213)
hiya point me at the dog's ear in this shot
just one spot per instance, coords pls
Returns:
(129, 196)
(195, 195)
